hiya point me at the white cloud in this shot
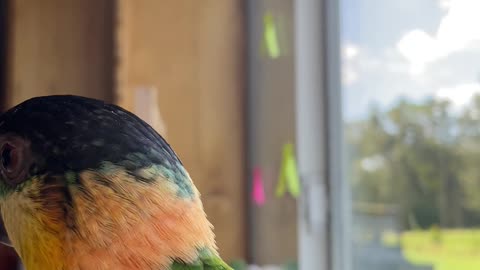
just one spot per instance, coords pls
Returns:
(445, 4)
(459, 95)
(419, 48)
(457, 30)
(349, 76)
(349, 73)
(349, 51)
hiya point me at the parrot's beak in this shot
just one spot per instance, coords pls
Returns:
(3, 234)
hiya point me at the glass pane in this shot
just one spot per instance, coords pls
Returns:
(410, 79)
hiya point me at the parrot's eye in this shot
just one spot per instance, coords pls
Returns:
(7, 156)
(15, 160)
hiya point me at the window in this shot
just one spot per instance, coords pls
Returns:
(411, 115)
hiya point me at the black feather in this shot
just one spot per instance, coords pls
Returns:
(73, 133)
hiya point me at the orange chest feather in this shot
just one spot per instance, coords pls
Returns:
(123, 225)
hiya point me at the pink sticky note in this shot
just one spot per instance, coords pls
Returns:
(258, 190)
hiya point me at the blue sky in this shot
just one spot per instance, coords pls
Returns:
(408, 48)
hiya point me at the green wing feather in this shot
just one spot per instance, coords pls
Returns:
(206, 261)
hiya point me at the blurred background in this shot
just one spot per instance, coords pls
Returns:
(322, 134)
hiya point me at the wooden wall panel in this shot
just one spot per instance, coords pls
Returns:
(59, 47)
(191, 53)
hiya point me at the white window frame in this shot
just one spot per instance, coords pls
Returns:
(325, 207)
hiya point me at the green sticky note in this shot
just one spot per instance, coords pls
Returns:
(270, 36)
(288, 178)
(291, 175)
(291, 172)
(281, 185)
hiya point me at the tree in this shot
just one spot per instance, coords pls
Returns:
(418, 157)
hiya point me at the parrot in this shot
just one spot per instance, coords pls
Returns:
(85, 184)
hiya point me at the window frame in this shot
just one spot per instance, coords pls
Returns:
(320, 144)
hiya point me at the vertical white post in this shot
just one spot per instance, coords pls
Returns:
(339, 187)
(325, 206)
(311, 136)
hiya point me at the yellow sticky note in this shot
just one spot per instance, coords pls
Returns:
(270, 37)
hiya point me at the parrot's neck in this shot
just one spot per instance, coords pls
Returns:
(124, 224)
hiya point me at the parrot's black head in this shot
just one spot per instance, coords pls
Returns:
(55, 135)
(70, 133)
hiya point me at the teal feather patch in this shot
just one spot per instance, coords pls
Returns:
(154, 172)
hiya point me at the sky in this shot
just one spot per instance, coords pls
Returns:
(412, 49)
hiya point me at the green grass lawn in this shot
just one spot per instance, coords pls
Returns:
(445, 249)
